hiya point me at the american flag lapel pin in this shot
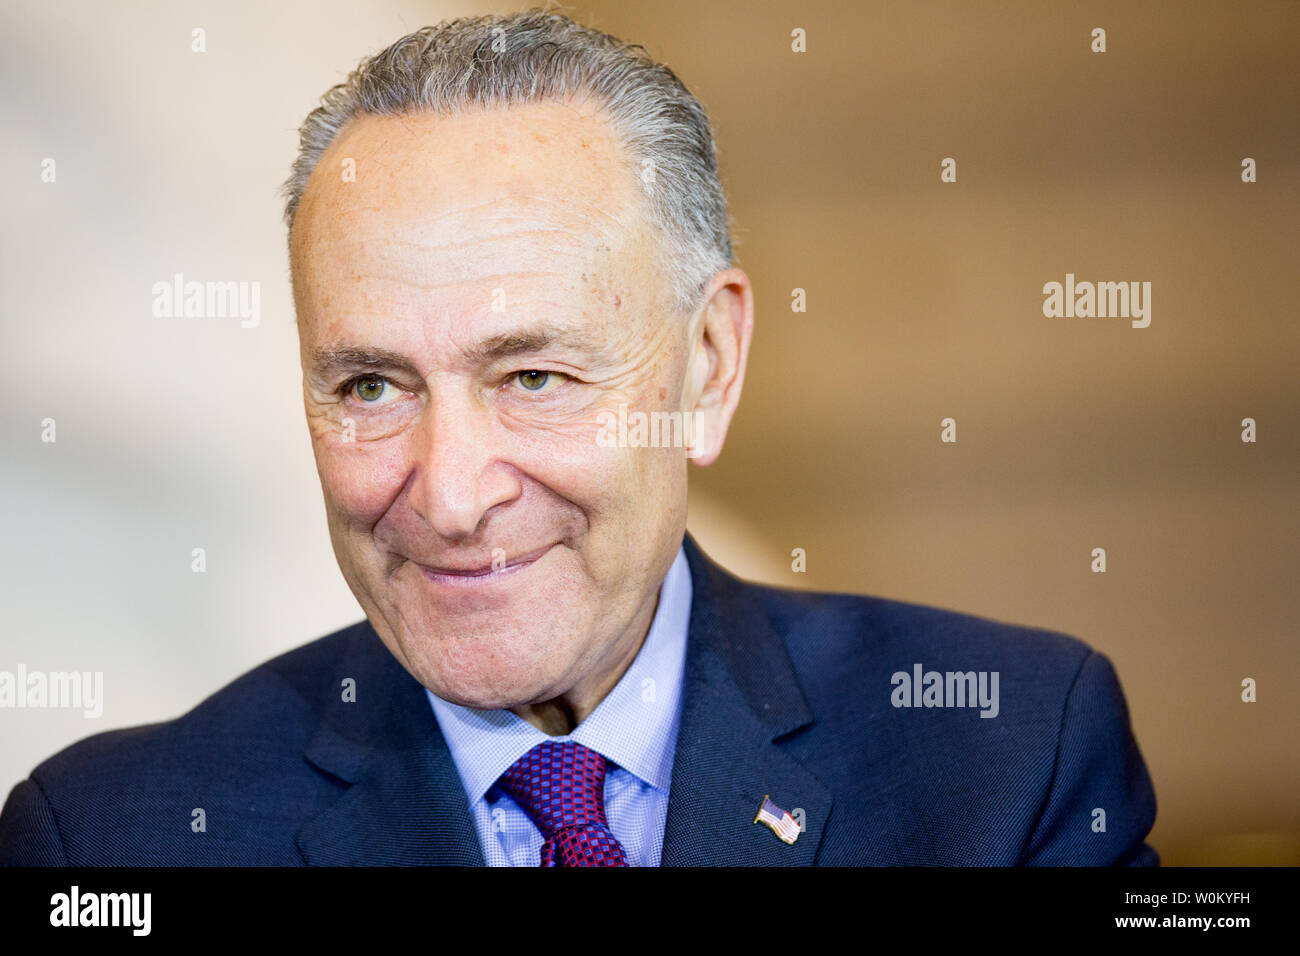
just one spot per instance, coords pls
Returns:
(782, 824)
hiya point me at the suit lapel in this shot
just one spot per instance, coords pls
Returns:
(740, 695)
(406, 805)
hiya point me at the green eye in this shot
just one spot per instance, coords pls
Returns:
(533, 380)
(370, 388)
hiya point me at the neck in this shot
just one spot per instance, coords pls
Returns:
(561, 715)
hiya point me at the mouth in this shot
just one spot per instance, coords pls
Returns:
(478, 576)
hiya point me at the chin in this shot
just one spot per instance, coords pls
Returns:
(493, 668)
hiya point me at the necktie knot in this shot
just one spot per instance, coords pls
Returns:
(561, 786)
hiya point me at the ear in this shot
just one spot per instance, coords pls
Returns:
(721, 330)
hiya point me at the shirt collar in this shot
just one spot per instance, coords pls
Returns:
(635, 726)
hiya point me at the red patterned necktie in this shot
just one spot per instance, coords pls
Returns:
(561, 786)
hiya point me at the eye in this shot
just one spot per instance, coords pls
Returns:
(372, 389)
(533, 380)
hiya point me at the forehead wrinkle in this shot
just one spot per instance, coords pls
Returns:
(367, 242)
(438, 232)
(566, 204)
(417, 283)
(532, 271)
(420, 253)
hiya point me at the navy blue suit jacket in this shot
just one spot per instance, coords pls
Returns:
(787, 694)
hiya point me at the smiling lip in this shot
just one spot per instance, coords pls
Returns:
(469, 577)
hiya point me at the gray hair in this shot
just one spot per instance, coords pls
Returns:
(526, 57)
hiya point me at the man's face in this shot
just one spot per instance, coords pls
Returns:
(468, 305)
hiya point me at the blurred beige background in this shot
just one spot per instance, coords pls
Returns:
(924, 302)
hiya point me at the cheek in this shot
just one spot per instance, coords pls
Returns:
(630, 485)
(360, 480)
(627, 495)
(570, 462)
(659, 476)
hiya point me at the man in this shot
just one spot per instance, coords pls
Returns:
(507, 235)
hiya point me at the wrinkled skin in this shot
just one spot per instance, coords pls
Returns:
(467, 307)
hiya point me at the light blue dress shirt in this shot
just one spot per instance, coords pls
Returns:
(634, 727)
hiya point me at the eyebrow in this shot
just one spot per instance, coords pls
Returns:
(340, 360)
(329, 362)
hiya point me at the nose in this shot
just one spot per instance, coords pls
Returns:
(458, 476)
